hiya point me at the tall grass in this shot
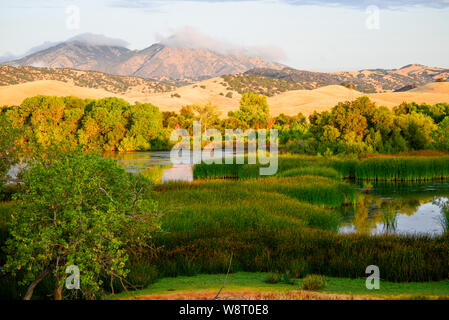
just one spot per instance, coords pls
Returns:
(312, 171)
(302, 251)
(270, 225)
(404, 168)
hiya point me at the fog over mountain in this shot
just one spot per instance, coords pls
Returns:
(184, 55)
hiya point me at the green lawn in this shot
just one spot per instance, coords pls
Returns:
(256, 282)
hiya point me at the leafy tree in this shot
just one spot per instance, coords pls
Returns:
(417, 129)
(441, 135)
(253, 110)
(47, 121)
(9, 153)
(207, 114)
(104, 124)
(78, 210)
(145, 126)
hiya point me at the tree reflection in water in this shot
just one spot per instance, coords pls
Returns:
(380, 208)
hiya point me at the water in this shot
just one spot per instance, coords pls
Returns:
(157, 166)
(399, 208)
(396, 208)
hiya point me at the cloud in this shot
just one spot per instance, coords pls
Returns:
(98, 40)
(347, 3)
(189, 37)
(379, 3)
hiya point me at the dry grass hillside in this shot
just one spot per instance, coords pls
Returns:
(216, 92)
(15, 94)
(211, 90)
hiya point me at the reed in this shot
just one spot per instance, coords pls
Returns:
(281, 225)
(403, 168)
(382, 168)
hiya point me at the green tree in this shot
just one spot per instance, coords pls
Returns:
(207, 114)
(441, 135)
(47, 121)
(253, 110)
(9, 153)
(104, 124)
(145, 125)
(417, 129)
(78, 210)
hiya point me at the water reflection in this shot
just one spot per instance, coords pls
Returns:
(156, 166)
(405, 208)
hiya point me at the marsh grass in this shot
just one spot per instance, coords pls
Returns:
(403, 168)
(382, 168)
(287, 223)
(282, 225)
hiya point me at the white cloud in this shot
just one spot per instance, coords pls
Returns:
(189, 37)
(99, 40)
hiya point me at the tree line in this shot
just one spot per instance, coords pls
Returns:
(112, 124)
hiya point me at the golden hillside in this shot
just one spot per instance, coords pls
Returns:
(15, 94)
(213, 90)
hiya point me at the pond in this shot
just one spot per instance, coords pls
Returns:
(156, 166)
(397, 208)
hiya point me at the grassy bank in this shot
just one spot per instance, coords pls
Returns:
(257, 282)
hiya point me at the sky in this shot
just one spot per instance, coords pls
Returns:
(305, 34)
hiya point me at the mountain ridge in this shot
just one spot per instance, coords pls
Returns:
(365, 80)
(157, 61)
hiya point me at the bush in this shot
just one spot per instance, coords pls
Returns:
(273, 278)
(7, 191)
(314, 282)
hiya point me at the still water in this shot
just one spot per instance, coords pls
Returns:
(397, 208)
(156, 166)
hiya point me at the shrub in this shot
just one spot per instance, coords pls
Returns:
(273, 278)
(314, 282)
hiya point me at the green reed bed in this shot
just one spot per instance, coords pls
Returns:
(207, 207)
(316, 190)
(403, 168)
(312, 171)
(303, 251)
(250, 171)
(377, 169)
(281, 224)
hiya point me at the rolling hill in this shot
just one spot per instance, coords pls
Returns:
(368, 81)
(15, 94)
(88, 79)
(215, 91)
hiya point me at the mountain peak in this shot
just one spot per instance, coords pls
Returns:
(161, 60)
